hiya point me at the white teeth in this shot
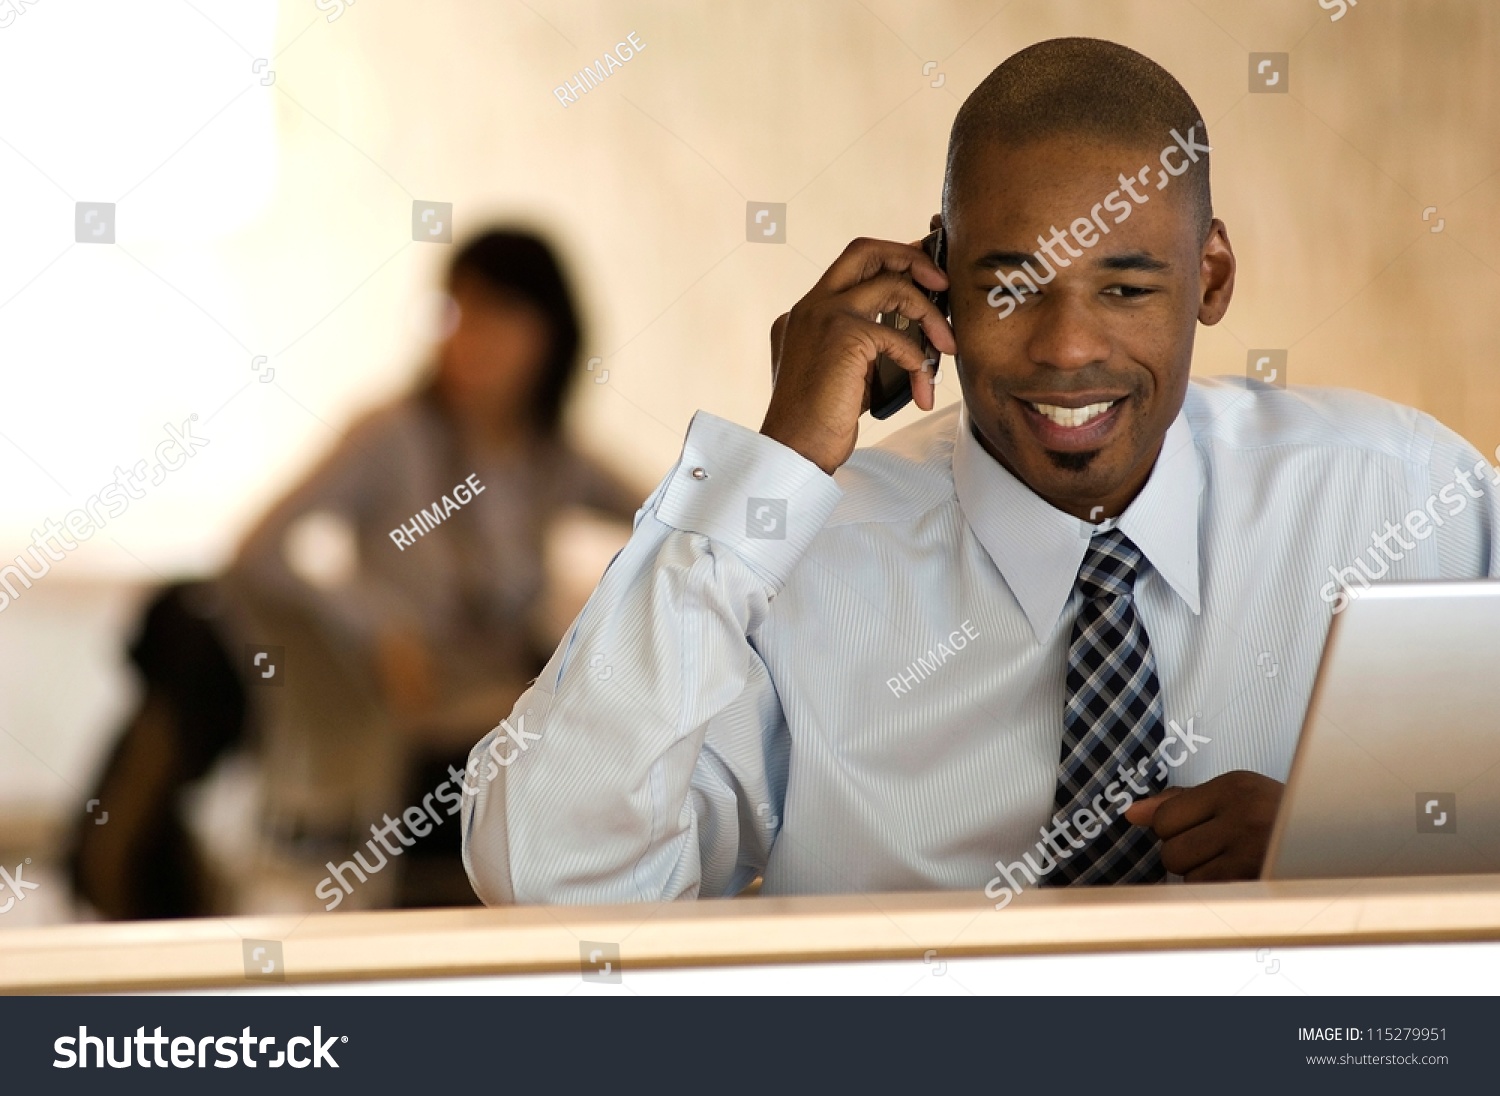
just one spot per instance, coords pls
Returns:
(1072, 416)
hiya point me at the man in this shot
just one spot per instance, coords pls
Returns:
(1064, 633)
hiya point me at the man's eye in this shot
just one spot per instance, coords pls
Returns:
(1130, 292)
(1021, 294)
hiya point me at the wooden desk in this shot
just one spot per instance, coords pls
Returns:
(452, 943)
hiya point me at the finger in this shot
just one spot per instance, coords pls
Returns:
(1193, 849)
(894, 293)
(923, 390)
(865, 259)
(921, 378)
(879, 339)
(1142, 811)
(939, 333)
(1191, 807)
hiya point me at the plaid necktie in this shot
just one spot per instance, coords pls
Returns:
(1112, 721)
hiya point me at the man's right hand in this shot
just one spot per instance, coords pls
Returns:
(824, 349)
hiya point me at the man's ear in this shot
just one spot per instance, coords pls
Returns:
(1215, 275)
(936, 222)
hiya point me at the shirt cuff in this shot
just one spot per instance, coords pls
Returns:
(748, 493)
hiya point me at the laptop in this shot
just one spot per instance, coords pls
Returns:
(1397, 771)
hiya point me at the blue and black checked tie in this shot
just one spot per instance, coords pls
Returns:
(1112, 721)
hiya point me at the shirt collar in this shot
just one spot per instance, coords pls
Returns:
(1039, 548)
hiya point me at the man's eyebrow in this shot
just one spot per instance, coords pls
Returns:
(991, 259)
(1134, 260)
(1130, 260)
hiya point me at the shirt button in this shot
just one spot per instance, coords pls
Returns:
(700, 473)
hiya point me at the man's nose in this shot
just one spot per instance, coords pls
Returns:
(1065, 334)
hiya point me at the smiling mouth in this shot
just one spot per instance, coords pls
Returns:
(1060, 428)
(1071, 417)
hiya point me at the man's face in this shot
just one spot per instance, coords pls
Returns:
(1072, 388)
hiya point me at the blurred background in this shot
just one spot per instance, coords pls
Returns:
(262, 167)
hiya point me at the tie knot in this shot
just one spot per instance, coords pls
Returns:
(1110, 566)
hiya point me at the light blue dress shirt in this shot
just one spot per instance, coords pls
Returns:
(855, 683)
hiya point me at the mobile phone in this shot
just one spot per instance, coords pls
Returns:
(890, 389)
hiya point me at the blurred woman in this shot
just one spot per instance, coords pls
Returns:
(435, 610)
(396, 601)
(406, 572)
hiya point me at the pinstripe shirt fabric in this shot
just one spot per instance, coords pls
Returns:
(863, 691)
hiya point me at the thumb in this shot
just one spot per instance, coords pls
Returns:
(1142, 812)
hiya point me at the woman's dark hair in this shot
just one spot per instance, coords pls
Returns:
(515, 261)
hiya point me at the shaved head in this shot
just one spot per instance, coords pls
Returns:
(1080, 87)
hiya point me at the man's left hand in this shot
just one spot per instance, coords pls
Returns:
(1215, 832)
